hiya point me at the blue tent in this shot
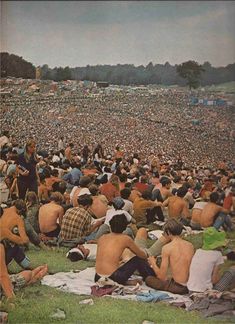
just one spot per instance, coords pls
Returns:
(194, 101)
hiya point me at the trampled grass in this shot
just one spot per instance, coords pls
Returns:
(35, 304)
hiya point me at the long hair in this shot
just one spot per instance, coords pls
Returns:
(26, 153)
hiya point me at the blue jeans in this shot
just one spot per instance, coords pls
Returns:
(122, 274)
(222, 219)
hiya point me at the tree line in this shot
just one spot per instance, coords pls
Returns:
(15, 66)
(190, 72)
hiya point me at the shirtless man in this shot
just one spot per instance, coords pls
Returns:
(10, 219)
(196, 215)
(215, 215)
(50, 214)
(177, 206)
(99, 207)
(109, 253)
(165, 189)
(176, 256)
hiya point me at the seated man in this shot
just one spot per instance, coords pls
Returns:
(50, 215)
(13, 234)
(109, 253)
(10, 220)
(99, 207)
(215, 215)
(196, 215)
(125, 194)
(77, 222)
(176, 256)
(204, 269)
(84, 182)
(10, 282)
(118, 204)
(141, 205)
(178, 207)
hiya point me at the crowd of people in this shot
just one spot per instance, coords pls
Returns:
(105, 169)
(143, 122)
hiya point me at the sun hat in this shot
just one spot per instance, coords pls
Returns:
(84, 191)
(213, 239)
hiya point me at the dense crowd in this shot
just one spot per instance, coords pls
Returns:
(159, 122)
(100, 168)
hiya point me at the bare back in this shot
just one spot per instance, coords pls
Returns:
(49, 215)
(180, 253)
(196, 215)
(208, 214)
(110, 249)
(177, 207)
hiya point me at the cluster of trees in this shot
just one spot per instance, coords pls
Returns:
(190, 72)
(16, 66)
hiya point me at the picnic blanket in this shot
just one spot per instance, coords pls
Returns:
(80, 283)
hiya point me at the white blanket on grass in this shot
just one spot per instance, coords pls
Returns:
(80, 283)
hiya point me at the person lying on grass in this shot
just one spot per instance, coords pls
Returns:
(176, 256)
(109, 253)
(9, 283)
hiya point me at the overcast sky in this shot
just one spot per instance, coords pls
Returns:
(76, 33)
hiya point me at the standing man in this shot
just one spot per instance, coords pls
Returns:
(26, 166)
(61, 143)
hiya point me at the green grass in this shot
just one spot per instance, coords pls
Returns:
(35, 304)
(225, 87)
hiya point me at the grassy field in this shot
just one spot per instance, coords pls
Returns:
(225, 87)
(228, 87)
(35, 304)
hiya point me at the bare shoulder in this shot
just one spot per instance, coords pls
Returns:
(167, 248)
(127, 239)
(188, 244)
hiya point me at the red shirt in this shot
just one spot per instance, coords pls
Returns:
(141, 186)
(110, 191)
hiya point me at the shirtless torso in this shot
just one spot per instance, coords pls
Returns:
(8, 221)
(98, 207)
(165, 193)
(110, 249)
(196, 215)
(179, 261)
(48, 216)
(177, 256)
(177, 207)
(209, 212)
(74, 198)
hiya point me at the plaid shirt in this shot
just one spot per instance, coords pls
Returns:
(76, 223)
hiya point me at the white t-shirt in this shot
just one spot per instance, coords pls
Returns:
(128, 206)
(201, 268)
(112, 212)
(200, 204)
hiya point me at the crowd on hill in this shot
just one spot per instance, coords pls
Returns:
(75, 168)
(160, 122)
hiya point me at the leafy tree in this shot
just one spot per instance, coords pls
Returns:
(191, 71)
(15, 66)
